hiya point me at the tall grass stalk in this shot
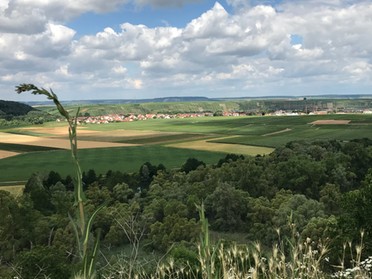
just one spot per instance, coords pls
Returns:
(361, 269)
(82, 224)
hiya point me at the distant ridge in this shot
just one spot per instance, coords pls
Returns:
(199, 99)
(127, 101)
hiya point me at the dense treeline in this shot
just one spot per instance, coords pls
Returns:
(323, 188)
(10, 108)
(31, 118)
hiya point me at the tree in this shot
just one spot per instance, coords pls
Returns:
(356, 213)
(43, 262)
(61, 199)
(229, 158)
(300, 175)
(122, 192)
(9, 226)
(89, 178)
(52, 178)
(260, 220)
(40, 196)
(330, 196)
(227, 208)
(296, 209)
(173, 229)
(191, 164)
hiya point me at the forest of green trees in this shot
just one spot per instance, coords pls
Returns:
(323, 189)
(13, 114)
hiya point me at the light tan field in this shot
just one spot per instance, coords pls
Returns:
(54, 142)
(16, 190)
(53, 131)
(5, 154)
(63, 132)
(330, 122)
(223, 147)
(57, 137)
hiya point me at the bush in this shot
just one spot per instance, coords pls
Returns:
(42, 262)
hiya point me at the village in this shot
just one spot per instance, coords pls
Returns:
(110, 118)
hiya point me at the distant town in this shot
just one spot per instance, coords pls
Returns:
(110, 118)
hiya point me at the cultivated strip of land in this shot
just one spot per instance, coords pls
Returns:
(330, 122)
(6, 154)
(223, 147)
(55, 142)
(16, 190)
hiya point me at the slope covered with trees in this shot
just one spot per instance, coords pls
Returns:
(10, 108)
(14, 114)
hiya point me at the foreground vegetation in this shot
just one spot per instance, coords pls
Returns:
(320, 190)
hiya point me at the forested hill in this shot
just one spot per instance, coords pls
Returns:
(14, 114)
(10, 108)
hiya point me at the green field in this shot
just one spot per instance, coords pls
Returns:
(147, 139)
(260, 131)
(127, 159)
(270, 131)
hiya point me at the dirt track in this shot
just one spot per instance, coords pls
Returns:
(278, 132)
(330, 122)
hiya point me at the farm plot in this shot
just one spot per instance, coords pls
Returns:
(327, 130)
(125, 146)
(6, 154)
(127, 159)
(330, 122)
(16, 190)
(214, 145)
(52, 142)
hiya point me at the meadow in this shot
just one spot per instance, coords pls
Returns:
(125, 146)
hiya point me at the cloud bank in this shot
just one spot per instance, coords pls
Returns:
(286, 48)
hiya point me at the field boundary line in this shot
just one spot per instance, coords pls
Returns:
(12, 183)
(278, 132)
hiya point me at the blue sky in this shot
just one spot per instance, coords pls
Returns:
(134, 49)
(177, 16)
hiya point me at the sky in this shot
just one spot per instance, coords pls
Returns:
(136, 49)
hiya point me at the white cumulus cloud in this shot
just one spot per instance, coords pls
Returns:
(261, 47)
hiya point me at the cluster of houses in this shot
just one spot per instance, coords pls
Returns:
(105, 119)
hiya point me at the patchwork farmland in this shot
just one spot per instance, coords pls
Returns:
(126, 146)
